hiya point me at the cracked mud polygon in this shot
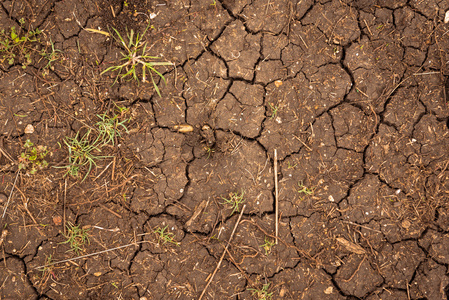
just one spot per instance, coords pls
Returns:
(353, 95)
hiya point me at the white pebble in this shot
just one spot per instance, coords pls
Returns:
(29, 129)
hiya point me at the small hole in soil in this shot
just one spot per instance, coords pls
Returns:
(437, 215)
(447, 123)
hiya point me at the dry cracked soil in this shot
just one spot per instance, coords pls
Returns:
(142, 191)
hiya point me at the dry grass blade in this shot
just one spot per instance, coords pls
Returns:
(10, 194)
(2, 237)
(88, 255)
(350, 246)
(224, 253)
(97, 31)
(276, 188)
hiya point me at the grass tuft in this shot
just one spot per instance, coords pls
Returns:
(135, 57)
(82, 153)
(262, 294)
(268, 244)
(77, 237)
(165, 236)
(234, 200)
(304, 190)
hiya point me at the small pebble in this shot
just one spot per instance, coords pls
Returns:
(183, 128)
(29, 129)
(3, 198)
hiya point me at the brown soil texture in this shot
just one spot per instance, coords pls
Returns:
(352, 94)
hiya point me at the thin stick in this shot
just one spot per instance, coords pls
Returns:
(276, 194)
(10, 194)
(103, 171)
(63, 206)
(224, 253)
(113, 12)
(88, 255)
(2, 237)
(6, 155)
(367, 27)
(426, 73)
(355, 224)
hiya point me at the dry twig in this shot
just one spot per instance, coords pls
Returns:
(88, 255)
(223, 255)
(276, 194)
(10, 194)
(63, 206)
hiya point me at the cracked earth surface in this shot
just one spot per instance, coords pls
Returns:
(351, 93)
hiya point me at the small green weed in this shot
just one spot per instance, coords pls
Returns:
(81, 153)
(234, 201)
(290, 166)
(304, 190)
(109, 128)
(209, 151)
(32, 158)
(17, 46)
(51, 56)
(165, 236)
(268, 244)
(84, 150)
(48, 261)
(262, 294)
(134, 57)
(77, 237)
(214, 237)
(274, 110)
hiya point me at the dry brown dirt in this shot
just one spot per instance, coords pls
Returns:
(351, 93)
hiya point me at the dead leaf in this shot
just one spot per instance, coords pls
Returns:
(197, 212)
(350, 246)
(183, 128)
(406, 224)
(282, 292)
(97, 31)
(57, 220)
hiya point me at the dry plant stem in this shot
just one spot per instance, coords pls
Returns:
(276, 194)
(358, 268)
(10, 194)
(5, 154)
(355, 224)
(2, 237)
(238, 267)
(88, 255)
(224, 253)
(63, 206)
(281, 240)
